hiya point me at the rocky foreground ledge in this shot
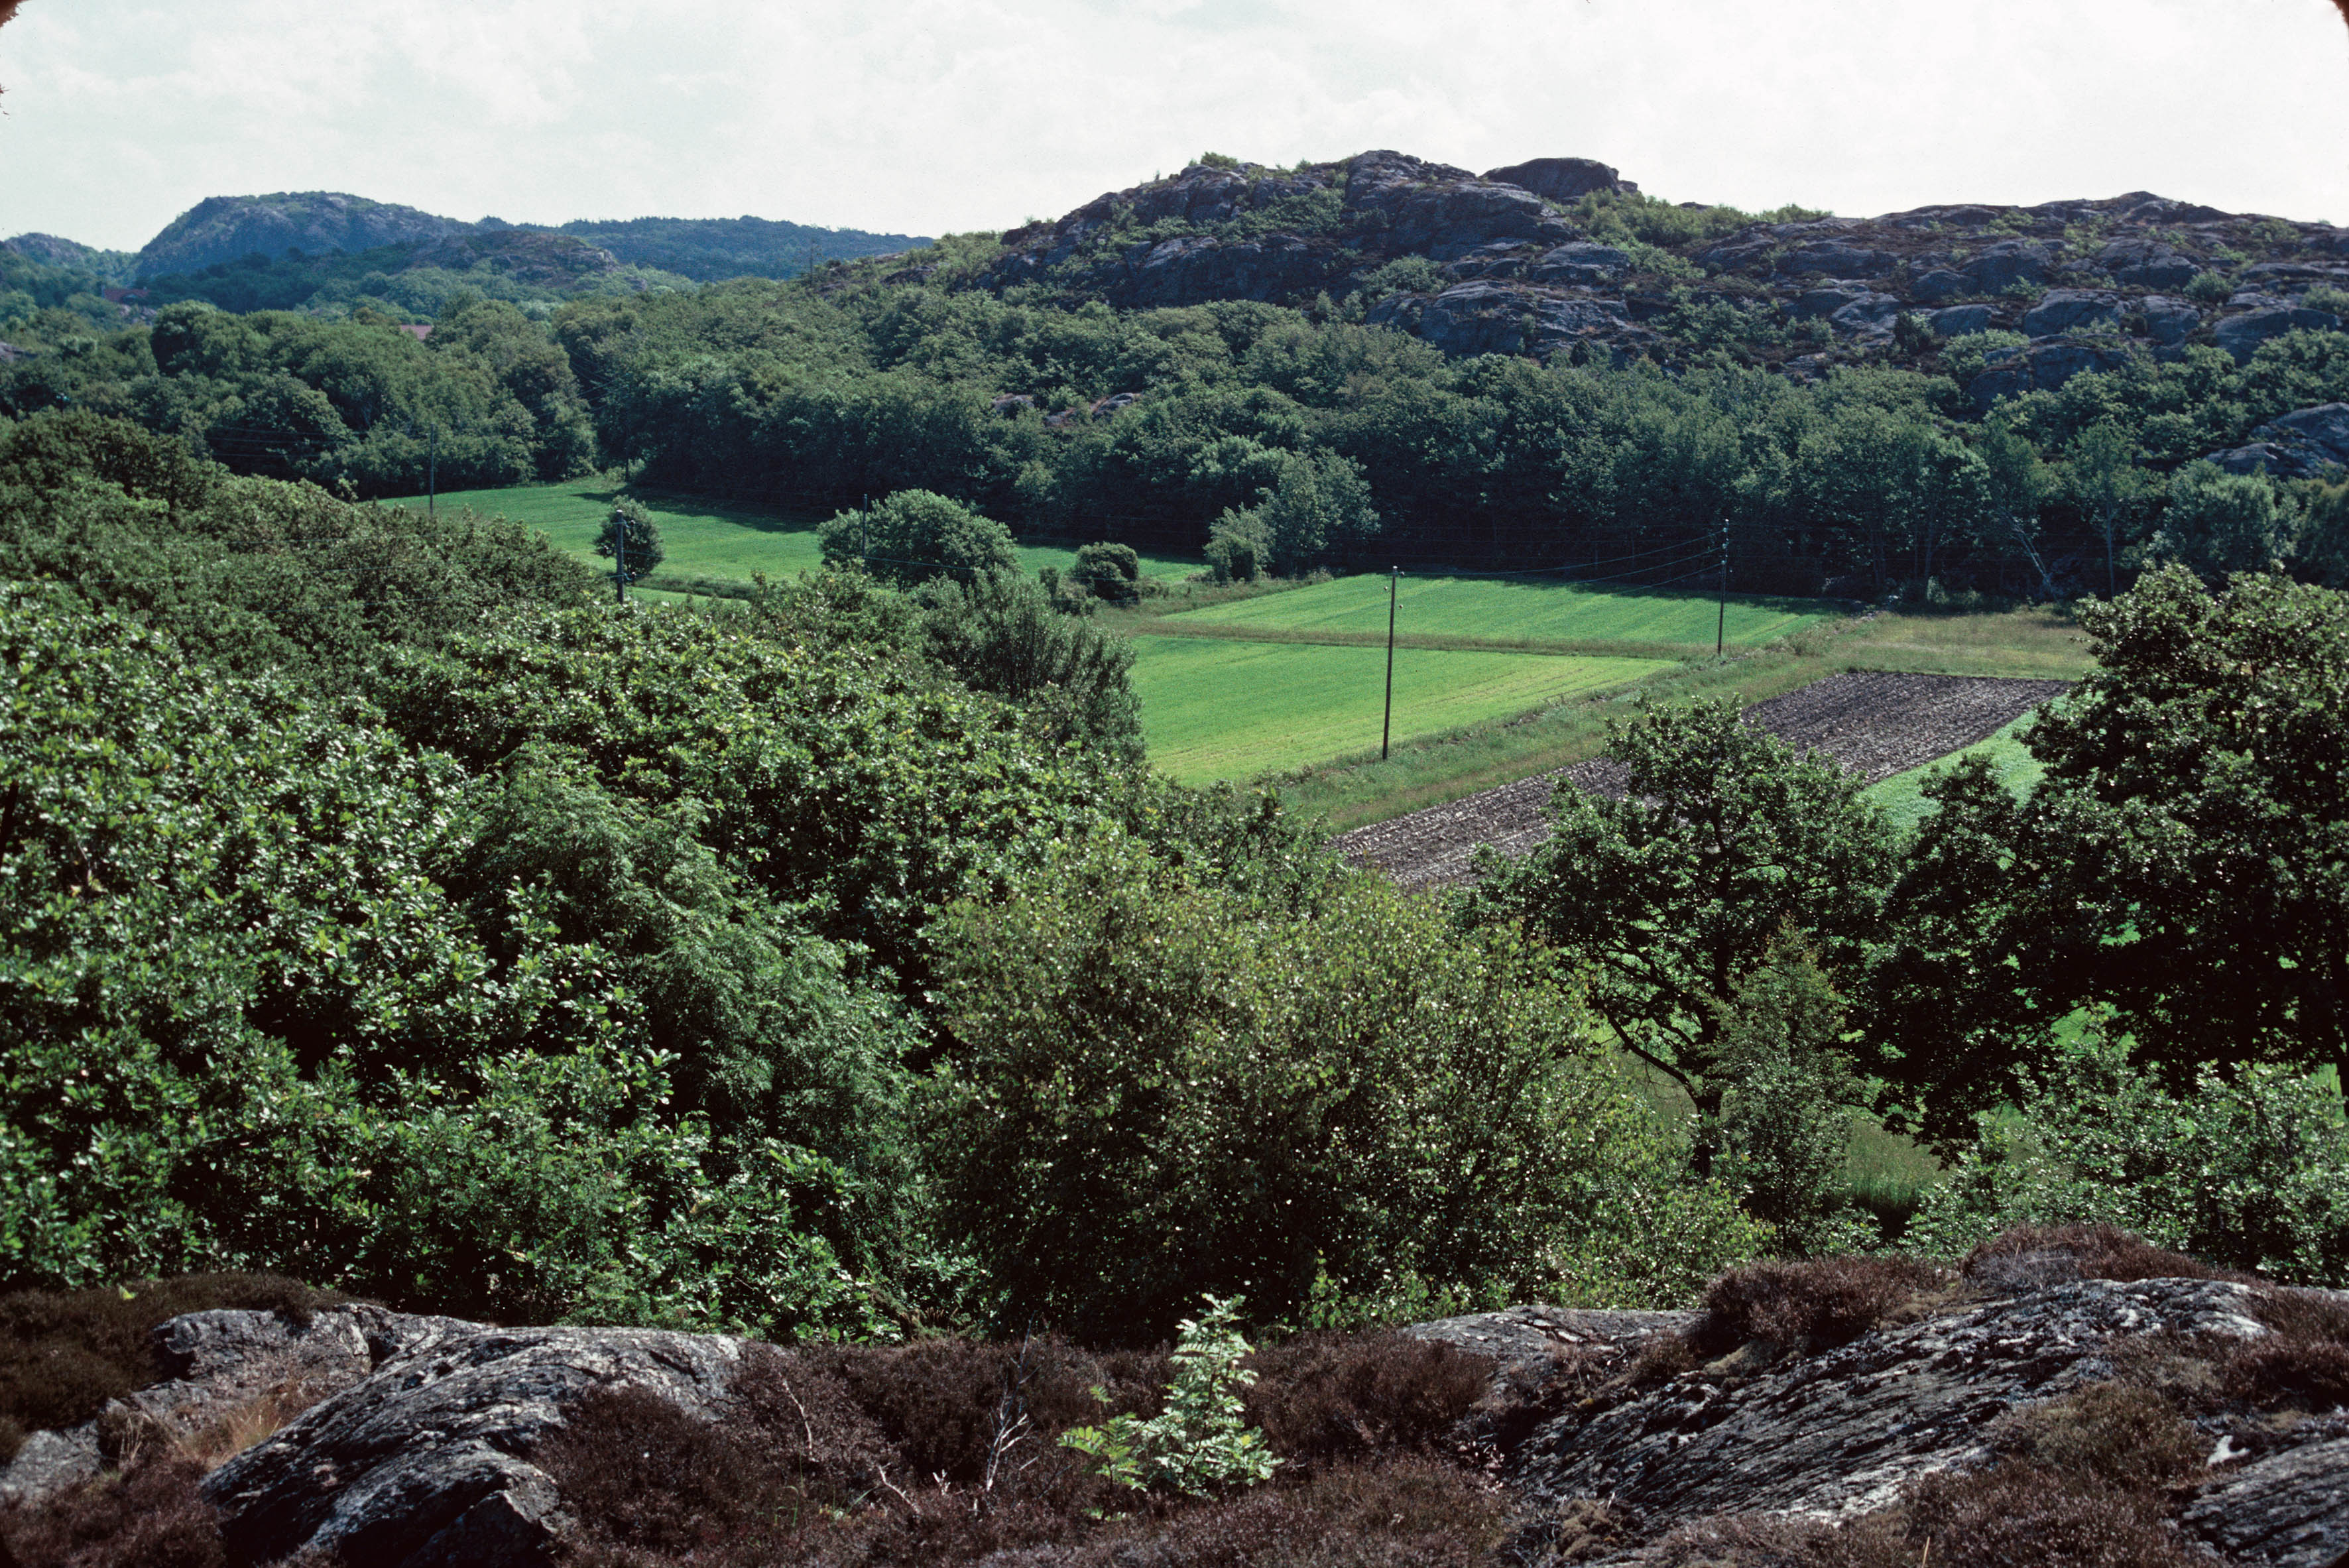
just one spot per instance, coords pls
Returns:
(1613, 1428)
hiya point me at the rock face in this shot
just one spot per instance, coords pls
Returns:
(215, 1362)
(2042, 366)
(2303, 444)
(2290, 1508)
(2242, 335)
(422, 1463)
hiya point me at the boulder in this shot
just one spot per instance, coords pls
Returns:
(1871, 313)
(2042, 366)
(1835, 258)
(2067, 310)
(1581, 262)
(2286, 1510)
(1838, 1434)
(2168, 320)
(1442, 212)
(1193, 268)
(1958, 320)
(1997, 267)
(212, 1363)
(2144, 262)
(1561, 178)
(1939, 283)
(422, 1463)
(2242, 335)
(1499, 318)
(2306, 443)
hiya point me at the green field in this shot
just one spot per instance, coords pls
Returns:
(1491, 610)
(708, 541)
(1902, 795)
(1216, 710)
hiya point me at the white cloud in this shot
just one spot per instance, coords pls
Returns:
(927, 116)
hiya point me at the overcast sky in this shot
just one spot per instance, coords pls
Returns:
(935, 116)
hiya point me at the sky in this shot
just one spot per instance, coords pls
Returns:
(930, 116)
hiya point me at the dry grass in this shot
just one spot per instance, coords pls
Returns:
(2030, 1256)
(64, 1354)
(1814, 1305)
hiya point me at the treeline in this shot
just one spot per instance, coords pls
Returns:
(1301, 440)
(1333, 444)
(379, 906)
(362, 407)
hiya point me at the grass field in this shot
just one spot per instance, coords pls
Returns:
(1215, 709)
(2039, 643)
(705, 541)
(1902, 795)
(1434, 610)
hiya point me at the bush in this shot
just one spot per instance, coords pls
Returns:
(914, 535)
(151, 1516)
(2248, 1170)
(1109, 571)
(1198, 1442)
(2220, 524)
(1003, 634)
(1325, 1397)
(2208, 287)
(1160, 1089)
(2031, 1255)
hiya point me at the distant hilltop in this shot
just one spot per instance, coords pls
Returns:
(227, 230)
(1563, 255)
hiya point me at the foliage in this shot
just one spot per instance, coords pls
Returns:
(1785, 1130)
(1199, 1443)
(2180, 861)
(1109, 571)
(1003, 634)
(2245, 1169)
(1159, 1086)
(2219, 524)
(247, 572)
(631, 535)
(916, 535)
(1725, 843)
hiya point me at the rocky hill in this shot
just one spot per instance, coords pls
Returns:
(316, 222)
(226, 229)
(1563, 255)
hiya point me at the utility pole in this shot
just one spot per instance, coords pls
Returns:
(1386, 726)
(1721, 621)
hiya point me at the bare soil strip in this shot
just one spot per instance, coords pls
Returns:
(1875, 725)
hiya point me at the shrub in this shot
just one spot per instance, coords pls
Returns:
(1199, 1442)
(1005, 635)
(2050, 1254)
(1324, 1397)
(2247, 1170)
(1162, 1087)
(914, 535)
(2220, 524)
(2206, 287)
(151, 1516)
(1811, 1305)
(1109, 571)
(2116, 1434)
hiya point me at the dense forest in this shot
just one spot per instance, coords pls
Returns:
(385, 908)
(1301, 439)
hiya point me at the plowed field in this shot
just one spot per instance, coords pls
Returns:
(1875, 725)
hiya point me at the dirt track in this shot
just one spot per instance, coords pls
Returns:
(1875, 725)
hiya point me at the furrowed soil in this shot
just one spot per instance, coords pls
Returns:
(1875, 725)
